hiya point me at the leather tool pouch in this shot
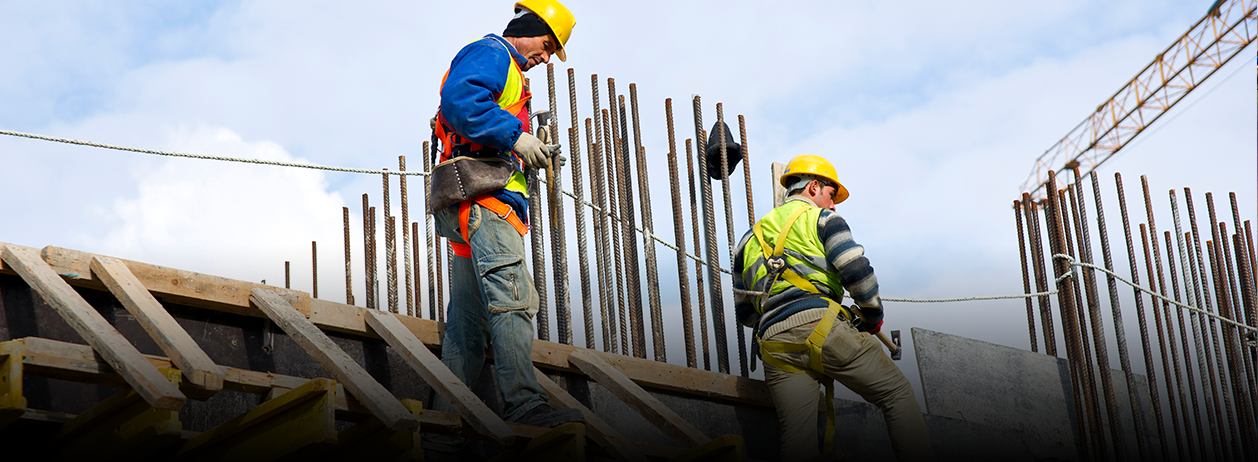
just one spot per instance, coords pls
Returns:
(463, 178)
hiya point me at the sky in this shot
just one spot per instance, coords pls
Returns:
(933, 112)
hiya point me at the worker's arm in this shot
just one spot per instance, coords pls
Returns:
(847, 260)
(744, 307)
(468, 97)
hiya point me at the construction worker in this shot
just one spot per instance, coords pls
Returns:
(484, 116)
(790, 274)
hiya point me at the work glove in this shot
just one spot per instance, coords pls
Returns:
(535, 152)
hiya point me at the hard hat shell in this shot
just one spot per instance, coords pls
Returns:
(812, 164)
(557, 16)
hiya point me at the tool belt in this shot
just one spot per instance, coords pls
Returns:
(464, 178)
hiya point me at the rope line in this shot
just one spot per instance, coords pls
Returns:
(224, 158)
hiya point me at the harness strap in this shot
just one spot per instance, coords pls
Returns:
(498, 207)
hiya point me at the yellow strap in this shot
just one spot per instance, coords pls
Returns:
(764, 246)
(799, 281)
(816, 339)
(783, 233)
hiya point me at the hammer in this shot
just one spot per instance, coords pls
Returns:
(892, 343)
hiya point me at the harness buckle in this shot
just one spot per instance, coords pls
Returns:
(776, 264)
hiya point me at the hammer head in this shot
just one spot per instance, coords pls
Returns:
(895, 338)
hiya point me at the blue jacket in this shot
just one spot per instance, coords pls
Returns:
(477, 75)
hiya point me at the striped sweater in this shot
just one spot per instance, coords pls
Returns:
(794, 307)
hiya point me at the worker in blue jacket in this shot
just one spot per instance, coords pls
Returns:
(484, 114)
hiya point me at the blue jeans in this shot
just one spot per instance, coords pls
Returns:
(492, 299)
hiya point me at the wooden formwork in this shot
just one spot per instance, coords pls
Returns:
(349, 413)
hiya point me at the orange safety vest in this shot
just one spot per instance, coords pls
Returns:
(514, 99)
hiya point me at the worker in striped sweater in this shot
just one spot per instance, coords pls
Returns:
(789, 278)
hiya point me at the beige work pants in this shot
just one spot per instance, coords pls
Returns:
(857, 361)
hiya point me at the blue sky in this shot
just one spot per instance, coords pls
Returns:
(933, 112)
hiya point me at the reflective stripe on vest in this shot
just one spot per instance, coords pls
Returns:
(791, 232)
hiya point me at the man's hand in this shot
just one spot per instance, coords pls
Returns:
(535, 153)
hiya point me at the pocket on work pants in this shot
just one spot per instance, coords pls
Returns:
(506, 283)
(844, 344)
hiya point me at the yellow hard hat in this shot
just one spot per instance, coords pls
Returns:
(812, 164)
(557, 16)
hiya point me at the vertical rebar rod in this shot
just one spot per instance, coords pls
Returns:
(1120, 332)
(613, 216)
(1191, 288)
(1094, 314)
(709, 230)
(633, 278)
(390, 236)
(1218, 369)
(679, 236)
(1180, 450)
(406, 239)
(558, 238)
(288, 281)
(375, 278)
(1240, 362)
(1026, 280)
(349, 279)
(1041, 281)
(578, 209)
(1244, 256)
(314, 269)
(659, 348)
(616, 169)
(601, 252)
(751, 204)
(439, 264)
(1055, 215)
(691, 173)
(1166, 338)
(430, 246)
(419, 304)
(1253, 267)
(1202, 444)
(1150, 371)
(367, 252)
(1070, 218)
(537, 226)
(1232, 397)
(740, 334)
(1234, 254)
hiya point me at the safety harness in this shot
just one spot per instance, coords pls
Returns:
(777, 267)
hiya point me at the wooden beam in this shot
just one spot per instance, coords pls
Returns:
(287, 424)
(439, 377)
(603, 433)
(319, 346)
(776, 170)
(98, 333)
(12, 400)
(655, 411)
(173, 340)
(370, 440)
(220, 294)
(121, 424)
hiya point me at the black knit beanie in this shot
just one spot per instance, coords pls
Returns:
(526, 24)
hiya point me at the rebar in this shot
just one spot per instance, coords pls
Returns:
(1150, 371)
(536, 230)
(1234, 401)
(679, 236)
(439, 264)
(578, 190)
(430, 246)
(367, 253)
(558, 238)
(375, 278)
(1200, 453)
(314, 269)
(751, 204)
(633, 278)
(603, 260)
(288, 281)
(1098, 326)
(691, 173)
(709, 230)
(618, 309)
(1241, 366)
(349, 279)
(406, 238)
(1120, 335)
(1026, 280)
(1076, 360)
(1161, 339)
(419, 311)
(648, 241)
(1233, 253)
(1166, 338)
(1191, 288)
(1244, 272)
(1041, 281)
(390, 236)
(1070, 219)
(740, 335)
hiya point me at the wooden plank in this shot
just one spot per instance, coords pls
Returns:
(655, 411)
(603, 433)
(366, 389)
(776, 170)
(439, 377)
(292, 422)
(12, 398)
(223, 295)
(122, 424)
(173, 340)
(98, 333)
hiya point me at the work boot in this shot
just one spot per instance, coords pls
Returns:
(543, 415)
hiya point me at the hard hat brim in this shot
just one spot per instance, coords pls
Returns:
(561, 54)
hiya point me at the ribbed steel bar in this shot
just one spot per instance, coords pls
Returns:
(1228, 393)
(429, 245)
(578, 190)
(314, 269)
(537, 226)
(1070, 219)
(628, 220)
(349, 279)
(375, 277)
(713, 261)
(1094, 314)
(558, 238)
(602, 255)
(1240, 302)
(1200, 442)
(406, 239)
(740, 334)
(1240, 361)
(679, 236)
(367, 252)
(1218, 375)
(691, 175)
(1120, 332)
(1166, 339)
(446, 258)
(1051, 215)
(751, 203)
(648, 241)
(1253, 268)
(390, 248)
(618, 309)
(288, 275)
(1026, 279)
(1041, 281)
(1180, 450)
(1076, 361)
(1150, 371)
(1244, 255)
(419, 312)
(1229, 333)
(439, 263)
(1191, 288)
